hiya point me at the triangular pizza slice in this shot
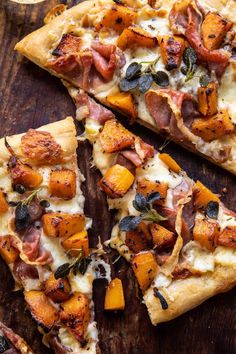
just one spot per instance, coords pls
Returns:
(168, 65)
(43, 234)
(178, 236)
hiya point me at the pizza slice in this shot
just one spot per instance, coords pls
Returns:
(167, 65)
(178, 236)
(43, 234)
(12, 343)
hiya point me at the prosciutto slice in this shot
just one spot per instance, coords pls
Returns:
(33, 249)
(88, 108)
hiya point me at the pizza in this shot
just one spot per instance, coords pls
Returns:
(169, 65)
(12, 343)
(44, 237)
(178, 236)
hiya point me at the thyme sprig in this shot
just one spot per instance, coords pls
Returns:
(78, 265)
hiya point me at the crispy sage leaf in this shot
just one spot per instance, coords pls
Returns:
(189, 56)
(140, 202)
(62, 271)
(153, 197)
(128, 85)
(204, 80)
(129, 223)
(133, 70)
(163, 301)
(161, 78)
(212, 210)
(145, 82)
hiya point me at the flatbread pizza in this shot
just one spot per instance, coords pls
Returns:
(44, 237)
(169, 65)
(178, 236)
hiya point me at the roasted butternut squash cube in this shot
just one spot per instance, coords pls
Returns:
(145, 268)
(203, 195)
(114, 298)
(3, 203)
(24, 174)
(77, 242)
(62, 224)
(62, 184)
(75, 315)
(116, 181)
(140, 239)
(124, 102)
(172, 48)
(213, 127)
(205, 232)
(170, 162)
(227, 237)
(57, 289)
(118, 18)
(162, 238)
(7, 251)
(147, 187)
(41, 309)
(115, 137)
(136, 37)
(207, 99)
(214, 29)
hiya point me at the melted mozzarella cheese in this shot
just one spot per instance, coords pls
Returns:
(52, 244)
(225, 219)
(69, 341)
(226, 91)
(101, 159)
(161, 281)
(199, 259)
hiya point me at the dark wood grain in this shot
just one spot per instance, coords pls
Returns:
(29, 98)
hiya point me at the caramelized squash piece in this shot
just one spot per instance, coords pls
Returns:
(75, 315)
(136, 37)
(124, 102)
(162, 238)
(114, 298)
(203, 195)
(170, 162)
(205, 232)
(7, 251)
(116, 181)
(214, 29)
(145, 268)
(227, 237)
(41, 309)
(146, 187)
(207, 99)
(172, 48)
(115, 137)
(62, 184)
(3, 203)
(213, 127)
(24, 174)
(118, 18)
(57, 289)
(77, 242)
(62, 224)
(140, 239)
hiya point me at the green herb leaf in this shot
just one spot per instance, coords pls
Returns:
(153, 216)
(153, 197)
(212, 210)
(204, 80)
(189, 56)
(129, 223)
(62, 271)
(161, 78)
(29, 199)
(140, 202)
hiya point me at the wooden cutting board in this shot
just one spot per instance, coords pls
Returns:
(30, 97)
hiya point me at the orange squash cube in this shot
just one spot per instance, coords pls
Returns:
(146, 187)
(205, 232)
(136, 37)
(203, 195)
(75, 314)
(57, 289)
(24, 174)
(76, 242)
(114, 137)
(62, 184)
(170, 162)
(116, 181)
(114, 298)
(145, 268)
(62, 224)
(140, 239)
(7, 251)
(3, 203)
(41, 309)
(124, 102)
(118, 18)
(162, 237)
(227, 237)
(172, 48)
(207, 99)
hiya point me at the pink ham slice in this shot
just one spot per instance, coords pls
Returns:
(33, 249)
(23, 270)
(92, 109)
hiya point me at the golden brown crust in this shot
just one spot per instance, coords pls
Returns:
(184, 294)
(63, 132)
